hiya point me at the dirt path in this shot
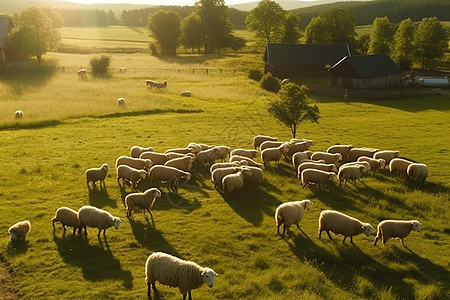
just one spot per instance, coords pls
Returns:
(6, 293)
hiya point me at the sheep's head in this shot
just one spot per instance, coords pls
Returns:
(338, 156)
(243, 162)
(208, 276)
(116, 222)
(142, 174)
(332, 177)
(14, 235)
(246, 172)
(416, 225)
(186, 175)
(105, 167)
(307, 204)
(382, 162)
(367, 229)
(334, 168)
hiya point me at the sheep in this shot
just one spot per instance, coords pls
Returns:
(250, 153)
(227, 165)
(249, 161)
(121, 101)
(344, 150)
(417, 171)
(298, 157)
(155, 157)
(269, 144)
(18, 114)
(274, 154)
(256, 178)
(169, 175)
(155, 84)
(186, 94)
(317, 166)
(398, 229)
(82, 73)
(172, 155)
(149, 83)
(399, 165)
(222, 152)
(97, 174)
(259, 139)
(285, 81)
(387, 155)
(20, 230)
(375, 163)
(136, 151)
(91, 216)
(235, 181)
(182, 163)
(175, 272)
(137, 163)
(317, 177)
(131, 175)
(290, 213)
(208, 156)
(355, 153)
(185, 150)
(142, 201)
(67, 217)
(339, 223)
(358, 163)
(196, 147)
(218, 174)
(329, 158)
(349, 172)
(297, 140)
(298, 147)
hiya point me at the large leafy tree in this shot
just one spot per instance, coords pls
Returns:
(266, 20)
(381, 36)
(291, 32)
(192, 35)
(164, 26)
(403, 44)
(293, 107)
(430, 42)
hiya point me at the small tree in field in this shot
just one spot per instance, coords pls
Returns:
(100, 65)
(292, 107)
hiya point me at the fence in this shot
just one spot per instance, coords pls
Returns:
(198, 71)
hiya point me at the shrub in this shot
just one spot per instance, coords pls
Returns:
(153, 49)
(255, 75)
(270, 83)
(100, 65)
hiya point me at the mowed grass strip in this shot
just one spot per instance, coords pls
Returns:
(42, 168)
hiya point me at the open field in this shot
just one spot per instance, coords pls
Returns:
(71, 125)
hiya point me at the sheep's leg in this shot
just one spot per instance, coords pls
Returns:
(351, 240)
(375, 241)
(98, 235)
(149, 211)
(148, 289)
(403, 244)
(74, 230)
(343, 241)
(329, 235)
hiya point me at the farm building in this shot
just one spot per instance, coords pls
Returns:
(5, 27)
(285, 60)
(376, 71)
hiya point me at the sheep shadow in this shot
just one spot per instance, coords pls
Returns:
(100, 198)
(96, 262)
(17, 247)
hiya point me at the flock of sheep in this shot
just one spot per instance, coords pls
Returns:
(343, 162)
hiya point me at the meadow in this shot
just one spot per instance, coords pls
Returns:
(71, 125)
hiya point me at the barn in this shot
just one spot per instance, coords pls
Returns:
(377, 71)
(5, 27)
(295, 60)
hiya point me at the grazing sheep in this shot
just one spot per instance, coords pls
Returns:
(344, 150)
(67, 217)
(136, 151)
(137, 163)
(82, 73)
(339, 223)
(235, 181)
(155, 157)
(196, 147)
(317, 166)
(398, 229)
(259, 139)
(97, 174)
(350, 173)
(256, 178)
(154, 84)
(91, 216)
(249, 161)
(121, 101)
(223, 152)
(298, 147)
(358, 163)
(285, 81)
(399, 165)
(298, 157)
(19, 230)
(18, 114)
(186, 94)
(182, 163)
(274, 154)
(375, 163)
(185, 150)
(317, 177)
(250, 153)
(290, 213)
(355, 153)
(130, 175)
(387, 155)
(142, 201)
(168, 175)
(218, 174)
(417, 171)
(270, 144)
(175, 272)
(228, 165)
(149, 83)
(207, 157)
(329, 158)
(172, 155)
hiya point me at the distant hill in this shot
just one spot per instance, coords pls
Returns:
(286, 4)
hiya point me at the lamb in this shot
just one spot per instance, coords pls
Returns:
(339, 223)
(299, 147)
(249, 161)
(298, 157)
(131, 175)
(142, 201)
(155, 157)
(375, 163)
(97, 174)
(121, 101)
(417, 171)
(317, 166)
(227, 165)
(169, 175)
(387, 155)
(18, 114)
(250, 153)
(274, 154)
(259, 139)
(182, 163)
(186, 94)
(185, 150)
(19, 230)
(233, 182)
(269, 144)
(175, 272)
(218, 174)
(91, 216)
(67, 217)
(398, 229)
(355, 153)
(344, 150)
(317, 177)
(290, 213)
(222, 152)
(137, 163)
(329, 158)
(350, 173)
(136, 151)
(399, 165)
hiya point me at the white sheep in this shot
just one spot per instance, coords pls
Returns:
(387, 155)
(399, 165)
(339, 223)
(183, 163)
(250, 153)
(354, 153)
(344, 150)
(235, 181)
(350, 173)
(259, 139)
(317, 166)
(130, 175)
(228, 165)
(398, 229)
(186, 94)
(136, 151)
(67, 217)
(19, 230)
(207, 157)
(175, 272)
(269, 144)
(316, 177)
(172, 155)
(97, 174)
(168, 175)
(256, 178)
(299, 156)
(142, 201)
(137, 163)
(222, 152)
(274, 154)
(298, 147)
(290, 213)
(249, 161)
(196, 147)
(218, 174)
(184, 150)
(417, 171)
(121, 101)
(375, 163)
(329, 158)
(358, 163)
(285, 81)
(155, 157)
(91, 216)
(82, 73)
(18, 114)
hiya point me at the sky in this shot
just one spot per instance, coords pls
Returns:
(159, 2)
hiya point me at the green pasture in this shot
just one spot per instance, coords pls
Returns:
(70, 125)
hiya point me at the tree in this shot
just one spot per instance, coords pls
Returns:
(403, 44)
(332, 26)
(430, 42)
(192, 35)
(99, 65)
(291, 32)
(164, 26)
(266, 20)
(293, 107)
(381, 36)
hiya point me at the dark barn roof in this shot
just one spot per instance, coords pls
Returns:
(366, 66)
